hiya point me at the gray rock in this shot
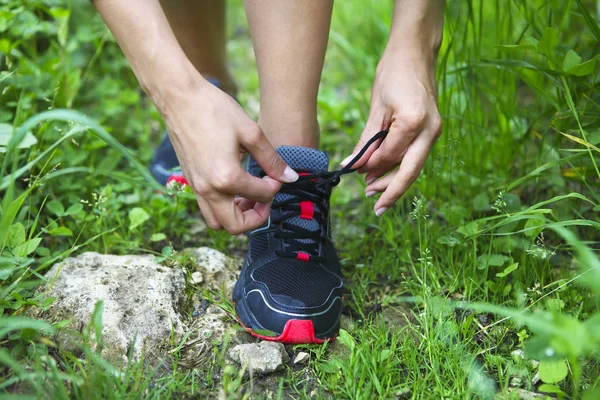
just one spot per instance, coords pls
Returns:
(141, 302)
(219, 271)
(260, 358)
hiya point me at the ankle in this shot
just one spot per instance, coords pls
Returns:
(291, 131)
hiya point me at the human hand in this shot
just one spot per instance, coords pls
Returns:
(210, 132)
(404, 102)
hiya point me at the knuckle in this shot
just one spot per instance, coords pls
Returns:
(276, 163)
(225, 180)
(201, 188)
(254, 135)
(213, 224)
(233, 229)
(437, 125)
(413, 118)
(389, 157)
(412, 174)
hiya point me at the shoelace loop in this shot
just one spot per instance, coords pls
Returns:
(313, 187)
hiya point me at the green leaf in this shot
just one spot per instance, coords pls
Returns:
(481, 202)
(548, 42)
(552, 371)
(508, 270)
(137, 216)
(26, 248)
(12, 324)
(73, 209)
(16, 235)
(469, 230)
(513, 202)
(6, 132)
(61, 231)
(571, 59)
(493, 260)
(533, 227)
(546, 388)
(56, 208)
(157, 237)
(585, 68)
(346, 339)
(591, 394)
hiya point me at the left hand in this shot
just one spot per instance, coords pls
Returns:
(404, 102)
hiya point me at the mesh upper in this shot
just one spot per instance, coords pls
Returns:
(258, 246)
(300, 280)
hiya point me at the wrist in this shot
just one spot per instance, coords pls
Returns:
(417, 28)
(170, 87)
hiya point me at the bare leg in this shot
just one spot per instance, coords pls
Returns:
(199, 26)
(290, 39)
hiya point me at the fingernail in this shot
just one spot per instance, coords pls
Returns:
(380, 211)
(371, 180)
(289, 175)
(371, 193)
(347, 160)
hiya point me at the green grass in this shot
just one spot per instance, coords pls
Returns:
(479, 259)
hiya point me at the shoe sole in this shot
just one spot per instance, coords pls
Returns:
(295, 331)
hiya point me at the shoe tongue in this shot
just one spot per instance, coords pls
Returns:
(304, 158)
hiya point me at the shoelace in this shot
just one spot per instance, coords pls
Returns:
(308, 190)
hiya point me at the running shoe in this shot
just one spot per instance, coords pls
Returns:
(290, 287)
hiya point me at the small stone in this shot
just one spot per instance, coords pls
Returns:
(536, 378)
(211, 260)
(260, 358)
(301, 358)
(526, 394)
(218, 270)
(197, 277)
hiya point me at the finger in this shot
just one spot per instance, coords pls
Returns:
(208, 214)
(236, 181)
(246, 204)
(380, 185)
(407, 173)
(236, 221)
(375, 123)
(375, 173)
(257, 144)
(403, 130)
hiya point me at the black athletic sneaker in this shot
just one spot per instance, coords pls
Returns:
(290, 287)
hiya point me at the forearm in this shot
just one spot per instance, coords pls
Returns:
(143, 33)
(417, 27)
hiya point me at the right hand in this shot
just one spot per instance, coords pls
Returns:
(210, 132)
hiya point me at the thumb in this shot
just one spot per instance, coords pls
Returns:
(257, 144)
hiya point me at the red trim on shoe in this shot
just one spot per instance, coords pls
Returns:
(296, 331)
(307, 174)
(307, 209)
(302, 256)
(177, 178)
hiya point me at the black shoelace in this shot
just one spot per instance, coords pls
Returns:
(315, 188)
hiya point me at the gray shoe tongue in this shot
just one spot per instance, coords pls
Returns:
(303, 159)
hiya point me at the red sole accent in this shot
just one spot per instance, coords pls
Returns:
(296, 331)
